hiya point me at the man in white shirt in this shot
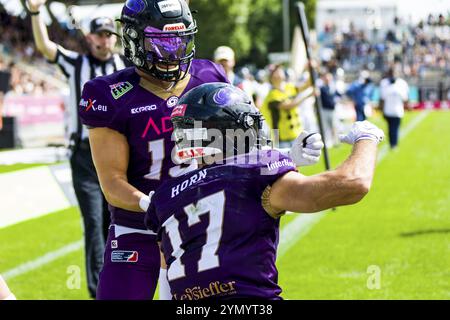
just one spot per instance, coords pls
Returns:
(394, 100)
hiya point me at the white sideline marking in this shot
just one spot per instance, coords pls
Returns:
(33, 155)
(23, 196)
(303, 223)
(297, 229)
(43, 260)
(290, 234)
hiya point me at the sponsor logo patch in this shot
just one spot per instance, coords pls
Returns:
(124, 256)
(169, 5)
(120, 89)
(179, 111)
(214, 288)
(279, 164)
(114, 244)
(89, 104)
(174, 27)
(172, 101)
(191, 153)
(143, 109)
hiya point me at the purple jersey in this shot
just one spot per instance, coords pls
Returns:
(119, 102)
(217, 239)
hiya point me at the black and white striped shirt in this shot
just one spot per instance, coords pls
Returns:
(79, 69)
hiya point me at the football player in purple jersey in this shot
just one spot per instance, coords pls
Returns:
(128, 115)
(219, 224)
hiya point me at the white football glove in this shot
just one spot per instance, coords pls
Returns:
(145, 201)
(306, 149)
(363, 130)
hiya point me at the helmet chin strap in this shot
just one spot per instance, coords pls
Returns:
(151, 77)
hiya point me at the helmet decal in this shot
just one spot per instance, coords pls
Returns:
(225, 97)
(174, 27)
(169, 5)
(135, 6)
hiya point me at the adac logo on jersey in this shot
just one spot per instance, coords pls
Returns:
(89, 104)
(120, 89)
(172, 101)
(138, 110)
(124, 256)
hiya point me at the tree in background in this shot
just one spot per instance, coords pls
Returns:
(222, 22)
(253, 28)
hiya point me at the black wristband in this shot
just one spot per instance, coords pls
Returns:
(34, 13)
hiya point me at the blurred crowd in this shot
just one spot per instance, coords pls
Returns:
(22, 82)
(17, 49)
(17, 39)
(350, 65)
(418, 48)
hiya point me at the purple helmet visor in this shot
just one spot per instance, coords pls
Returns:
(167, 46)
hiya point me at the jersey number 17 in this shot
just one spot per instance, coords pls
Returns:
(214, 205)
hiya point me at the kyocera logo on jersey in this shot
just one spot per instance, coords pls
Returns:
(174, 27)
(144, 109)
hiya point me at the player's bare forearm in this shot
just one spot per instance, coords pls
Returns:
(110, 152)
(361, 163)
(347, 184)
(119, 193)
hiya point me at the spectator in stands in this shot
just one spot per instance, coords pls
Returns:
(262, 87)
(224, 56)
(5, 80)
(328, 96)
(361, 92)
(280, 108)
(394, 100)
(80, 68)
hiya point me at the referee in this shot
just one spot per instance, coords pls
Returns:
(80, 68)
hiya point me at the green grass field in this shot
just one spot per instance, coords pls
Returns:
(401, 230)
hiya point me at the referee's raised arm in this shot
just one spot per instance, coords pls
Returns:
(43, 43)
